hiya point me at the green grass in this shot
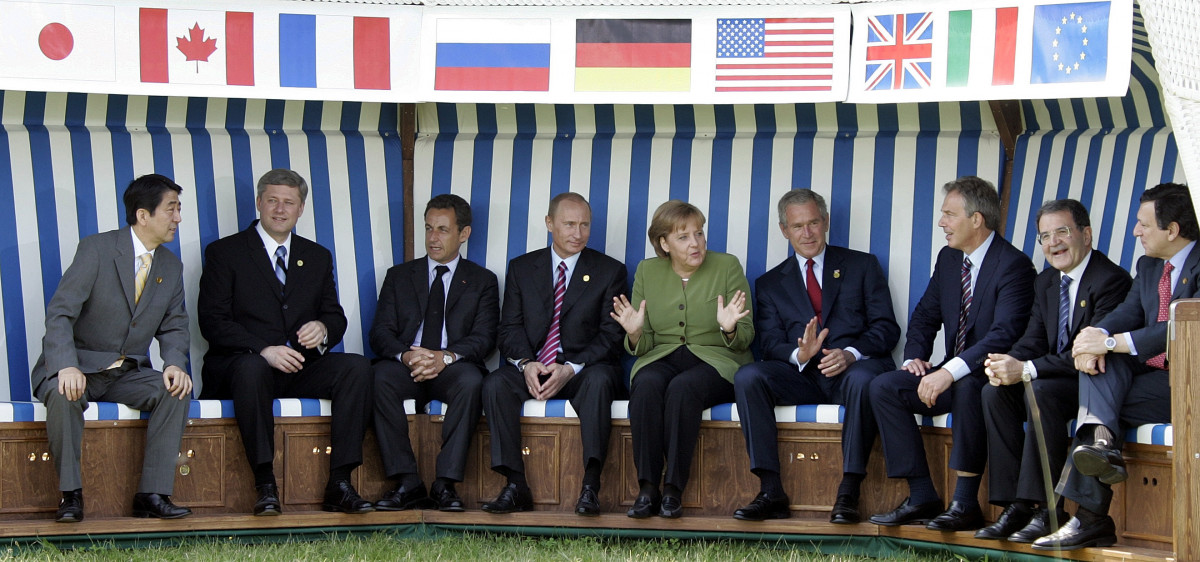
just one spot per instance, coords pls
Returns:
(468, 546)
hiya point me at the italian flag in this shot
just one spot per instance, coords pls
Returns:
(981, 43)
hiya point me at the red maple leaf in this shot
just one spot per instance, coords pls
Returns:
(195, 46)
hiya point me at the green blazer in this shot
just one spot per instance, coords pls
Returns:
(677, 316)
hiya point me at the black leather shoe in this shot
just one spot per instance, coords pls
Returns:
(1101, 461)
(645, 505)
(1038, 527)
(763, 507)
(268, 500)
(1014, 518)
(845, 511)
(341, 496)
(402, 498)
(589, 501)
(512, 498)
(908, 514)
(157, 505)
(959, 517)
(70, 507)
(670, 508)
(445, 497)
(1074, 536)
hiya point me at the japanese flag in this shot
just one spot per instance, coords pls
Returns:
(57, 41)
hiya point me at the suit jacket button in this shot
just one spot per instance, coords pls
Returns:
(285, 307)
(681, 307)
(682, 339)
(681, 324)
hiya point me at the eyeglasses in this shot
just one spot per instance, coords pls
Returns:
(1062, 233)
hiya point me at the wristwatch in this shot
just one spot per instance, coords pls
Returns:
(447, 357)
(1026, 371)
(1110, 343)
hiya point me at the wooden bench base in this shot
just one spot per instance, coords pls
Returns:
(215, 481)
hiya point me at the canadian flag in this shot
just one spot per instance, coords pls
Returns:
(196, 46)
(57, 41)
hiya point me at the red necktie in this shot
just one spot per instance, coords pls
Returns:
(549, 350)
(1164, 302)
(814, 289)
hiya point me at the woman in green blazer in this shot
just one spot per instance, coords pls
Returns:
(691, 330)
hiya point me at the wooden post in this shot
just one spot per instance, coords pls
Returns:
(1007, 114)
(408, 138)
(1183, 348)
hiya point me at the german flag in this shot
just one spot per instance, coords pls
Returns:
(634, 55)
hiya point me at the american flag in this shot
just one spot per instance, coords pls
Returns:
(899, 51)
(775, 55)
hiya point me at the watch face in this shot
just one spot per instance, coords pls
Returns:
(446, 358)
(1110, 343)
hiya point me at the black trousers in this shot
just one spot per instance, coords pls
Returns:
(591, 393)
(344, 378)
(458, 385)
(1128, 393)
(762, 385)
(894, 400)
(1015, 471)
(666, 398)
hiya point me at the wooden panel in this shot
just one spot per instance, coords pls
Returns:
(542, 452)
(1147, 507)
(200, 476)
(305, 451)
(1183, 349)
(811, 467)
(30, 483)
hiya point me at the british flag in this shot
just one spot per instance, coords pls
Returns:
(899, 51)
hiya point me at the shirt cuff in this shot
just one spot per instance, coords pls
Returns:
(1129, 342)
(575, 366)
(1032, 370)
(957, 367)
(857, 355)
(795, 359)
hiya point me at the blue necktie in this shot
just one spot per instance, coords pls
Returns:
(1064, 312)
(281, 265)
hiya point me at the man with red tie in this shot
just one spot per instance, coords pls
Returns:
(558, 340)
(1122, 361)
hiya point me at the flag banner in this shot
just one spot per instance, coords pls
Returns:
(941, 50)
(635, 54)
(57, 41)
(493, 54)
(269, 49)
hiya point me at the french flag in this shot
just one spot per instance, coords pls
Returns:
(334, 52)
(493, 55)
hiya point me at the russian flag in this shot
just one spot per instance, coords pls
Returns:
(196, 46)
(334, 52)
(493, 55)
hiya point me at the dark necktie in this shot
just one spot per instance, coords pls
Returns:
(964, 308)
(1164, 303)
(1064, 312)
(814, 288)
(281, 265)
(435, 311)
(549, 351)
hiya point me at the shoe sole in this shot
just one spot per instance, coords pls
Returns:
(1096, 542)
(149, 515)
(268, 513)
(517, 509)
(451, 509)
(1090, 464)
(423, 503)
(68, 519)
(633, 515)
(787, 515)
(339, 509)
(586, 512)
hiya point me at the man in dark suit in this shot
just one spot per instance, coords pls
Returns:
(1123, 366)
(269, 310)
(558, 340)
(980, 293)
(843, 294)
(123, 289)
(434, 327)
(1079, 287)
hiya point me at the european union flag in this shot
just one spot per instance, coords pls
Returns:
(1070, 43)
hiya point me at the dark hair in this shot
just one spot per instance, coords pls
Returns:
(669, 216)
(462, 209)
(800, 196)
(1173, 204)
(282, 176)
(565, 196)
(1078, 212)
(146, 192)
(979, 196)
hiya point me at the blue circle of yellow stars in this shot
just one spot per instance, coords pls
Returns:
(1064, 54)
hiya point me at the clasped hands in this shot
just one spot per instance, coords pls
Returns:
(423, 364)
(1089, 349)
(933, 381)
(288, 360)
(556, 376)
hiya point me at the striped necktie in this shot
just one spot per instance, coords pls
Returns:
(549, 351)
(281, 265)
(964, 308)
(1064, 312)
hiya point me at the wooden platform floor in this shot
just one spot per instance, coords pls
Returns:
(207, 524)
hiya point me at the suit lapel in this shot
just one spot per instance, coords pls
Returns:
(420, 280)
(986, 278)
(576, 288)
(1187, 278)
(259, 261)
(1083, 297)
(123, 261)
(152, 280)
(831, 281)
(456, 285)
(793, 279)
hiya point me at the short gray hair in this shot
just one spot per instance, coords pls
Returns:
(282, 176)
(801, 196)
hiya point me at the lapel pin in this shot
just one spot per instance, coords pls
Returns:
(837, 273)
(1083, 304)
(587, 278)
(299, 263)
(1185, 280)
(158, 280)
